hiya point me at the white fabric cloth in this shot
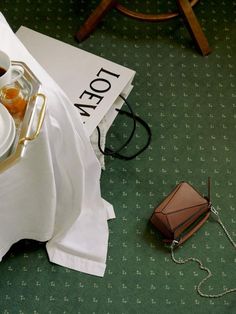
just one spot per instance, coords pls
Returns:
(53, 193)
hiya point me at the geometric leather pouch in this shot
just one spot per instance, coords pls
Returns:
(179, 216)
(181, 213)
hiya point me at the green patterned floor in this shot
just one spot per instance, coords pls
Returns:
(189, 102)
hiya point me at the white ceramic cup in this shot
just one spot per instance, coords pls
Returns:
(8, 72)
(7, 132)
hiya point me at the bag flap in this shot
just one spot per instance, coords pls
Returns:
(182, 206)
(184, 196)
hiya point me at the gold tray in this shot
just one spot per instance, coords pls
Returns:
(24, 131)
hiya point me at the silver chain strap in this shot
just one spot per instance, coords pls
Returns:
(193, 259)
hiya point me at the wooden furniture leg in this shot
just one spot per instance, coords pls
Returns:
(194, 27)
(95, 17)
(185, 8)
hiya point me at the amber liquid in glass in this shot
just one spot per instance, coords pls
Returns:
(13, 101)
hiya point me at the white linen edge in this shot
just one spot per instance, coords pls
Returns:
(75, 262)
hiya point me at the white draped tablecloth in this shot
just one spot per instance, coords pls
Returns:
(53, 193)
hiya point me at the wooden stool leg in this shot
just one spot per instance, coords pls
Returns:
(194, 27)
(95, 17)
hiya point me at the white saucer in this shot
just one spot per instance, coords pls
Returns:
(7, 132)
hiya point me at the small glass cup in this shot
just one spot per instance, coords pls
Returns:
(14, 99)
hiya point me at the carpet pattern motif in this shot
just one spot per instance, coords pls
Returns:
(189, 101)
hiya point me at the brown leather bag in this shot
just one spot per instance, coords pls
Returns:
(181, 213)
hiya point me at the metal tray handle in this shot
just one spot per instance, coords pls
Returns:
(40, 120)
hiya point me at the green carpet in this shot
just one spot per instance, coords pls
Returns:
(189, 101)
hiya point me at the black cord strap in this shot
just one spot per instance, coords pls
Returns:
(109, 152)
